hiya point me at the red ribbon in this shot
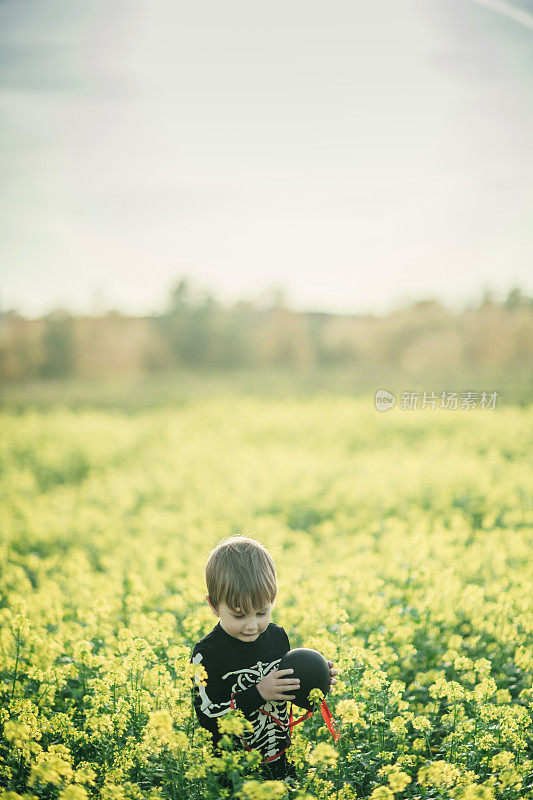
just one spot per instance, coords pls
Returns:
(330, 722)
(326, 713)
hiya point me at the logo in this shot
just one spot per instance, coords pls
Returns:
(384, 400)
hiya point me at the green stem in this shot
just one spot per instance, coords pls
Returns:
(16, 666)
(452, 753)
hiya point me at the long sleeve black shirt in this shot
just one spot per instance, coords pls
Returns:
(235, 667)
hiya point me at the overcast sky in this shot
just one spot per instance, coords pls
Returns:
(358, 154)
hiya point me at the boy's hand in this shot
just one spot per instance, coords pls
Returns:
(272, 686)
(332, 673)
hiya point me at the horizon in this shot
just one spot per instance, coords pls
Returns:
(264, 302)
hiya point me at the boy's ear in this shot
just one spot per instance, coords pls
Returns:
(213, 609)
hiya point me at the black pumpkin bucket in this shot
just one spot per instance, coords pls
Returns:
(312, 669)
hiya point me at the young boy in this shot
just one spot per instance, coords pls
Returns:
(242, 652)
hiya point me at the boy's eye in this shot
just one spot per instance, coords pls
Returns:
(259, 614)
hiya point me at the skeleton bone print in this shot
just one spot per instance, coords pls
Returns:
(235, 668)
(268, 735)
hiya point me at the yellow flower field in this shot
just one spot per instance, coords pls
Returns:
(402, 543)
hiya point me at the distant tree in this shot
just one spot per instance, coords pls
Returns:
(234, 336)
(197, 343)
(317, 322)
(58, 345)
(20, 347)
(517, 299)
(180, 297)
(189, 325)
(283, 340)
(487, 298)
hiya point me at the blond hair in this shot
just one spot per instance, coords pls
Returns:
(241, 573)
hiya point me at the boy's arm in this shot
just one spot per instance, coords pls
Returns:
(213, 700)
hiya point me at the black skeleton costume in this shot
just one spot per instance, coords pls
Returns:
(234, 668)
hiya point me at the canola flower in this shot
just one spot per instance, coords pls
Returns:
(398, 725)
(323, 754)
(316, 696)
(268, 790)
(382, 793)
(416, 588)
(73, 792)
(398, 781)
(235, 723)
(348, 711)
(439, 774)
(474, 791)
(421, 723)
(159, 733)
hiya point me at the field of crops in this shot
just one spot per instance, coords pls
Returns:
(402, 542)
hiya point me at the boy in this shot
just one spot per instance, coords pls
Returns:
(242, 652)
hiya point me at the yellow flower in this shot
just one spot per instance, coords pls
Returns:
(198, 673)
(347, 792)
(234, 723)
(485, 689)
(501, 761)
(382, 793)
(482, 666)
(523, 657)
(52, 770)
(324, 753)
(316, 696)
(73, 792)
(487, 741)
(462, 663)
(398, 781)
(16, 732)
(421, 723)
(266, 790)
(455, 691)
(454, 641)
(159, 733)
(395, 690)
(161, 722)
(407, 761)
(111, 791)
(439, 774)
(398, 726)
(503, 696)
(510, 777)
(196, 771)
(438, 688)
(253, 759)
(374, 680)
(20, 625)
(475, 791)
(348, 711)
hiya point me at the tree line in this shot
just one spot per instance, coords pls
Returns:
(196, 331)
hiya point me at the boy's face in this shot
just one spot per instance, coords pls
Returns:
(245, 627)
